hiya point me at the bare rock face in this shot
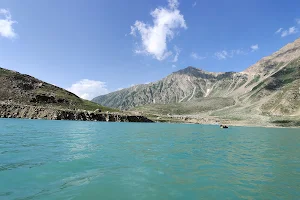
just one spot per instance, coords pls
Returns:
(24, 89)
(35, 112)
(286, 54)
(45, 99)
(23, 96)
(182, 86)
(272, 80)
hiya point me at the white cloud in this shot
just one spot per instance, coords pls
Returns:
(173, 66)
(6, 23)
(290, 31)
(279, 30)
(254, 47)
(177, 52)
(173, 4)
(88, 89)
(194, 4)
(222, 55)
(196, 56)
(237, 52)
(154, 38)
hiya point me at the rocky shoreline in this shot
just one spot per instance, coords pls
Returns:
(39, 112)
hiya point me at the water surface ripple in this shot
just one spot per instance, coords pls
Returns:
(42, 159)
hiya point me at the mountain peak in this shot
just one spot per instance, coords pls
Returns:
(189, 70)
(196, 72)
(191, 67)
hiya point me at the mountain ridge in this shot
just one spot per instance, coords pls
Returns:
(272, 80)
(23, 96)
(24, 89)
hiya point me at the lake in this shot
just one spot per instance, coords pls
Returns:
(42, 159)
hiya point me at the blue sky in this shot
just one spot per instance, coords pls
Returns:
(92, 47)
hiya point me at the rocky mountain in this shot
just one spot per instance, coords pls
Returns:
(182, 86)
(17, 88)
(269, 87)
(23, 96)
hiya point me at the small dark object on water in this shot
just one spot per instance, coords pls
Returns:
(223, 126)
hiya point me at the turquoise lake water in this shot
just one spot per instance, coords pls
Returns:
(42, 159)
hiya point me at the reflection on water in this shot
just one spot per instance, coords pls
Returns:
(78, 140)
(89, 160)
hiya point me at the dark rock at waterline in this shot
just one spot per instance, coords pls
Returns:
(37, 112)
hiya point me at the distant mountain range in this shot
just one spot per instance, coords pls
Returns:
(266, 92)
(269, 87)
